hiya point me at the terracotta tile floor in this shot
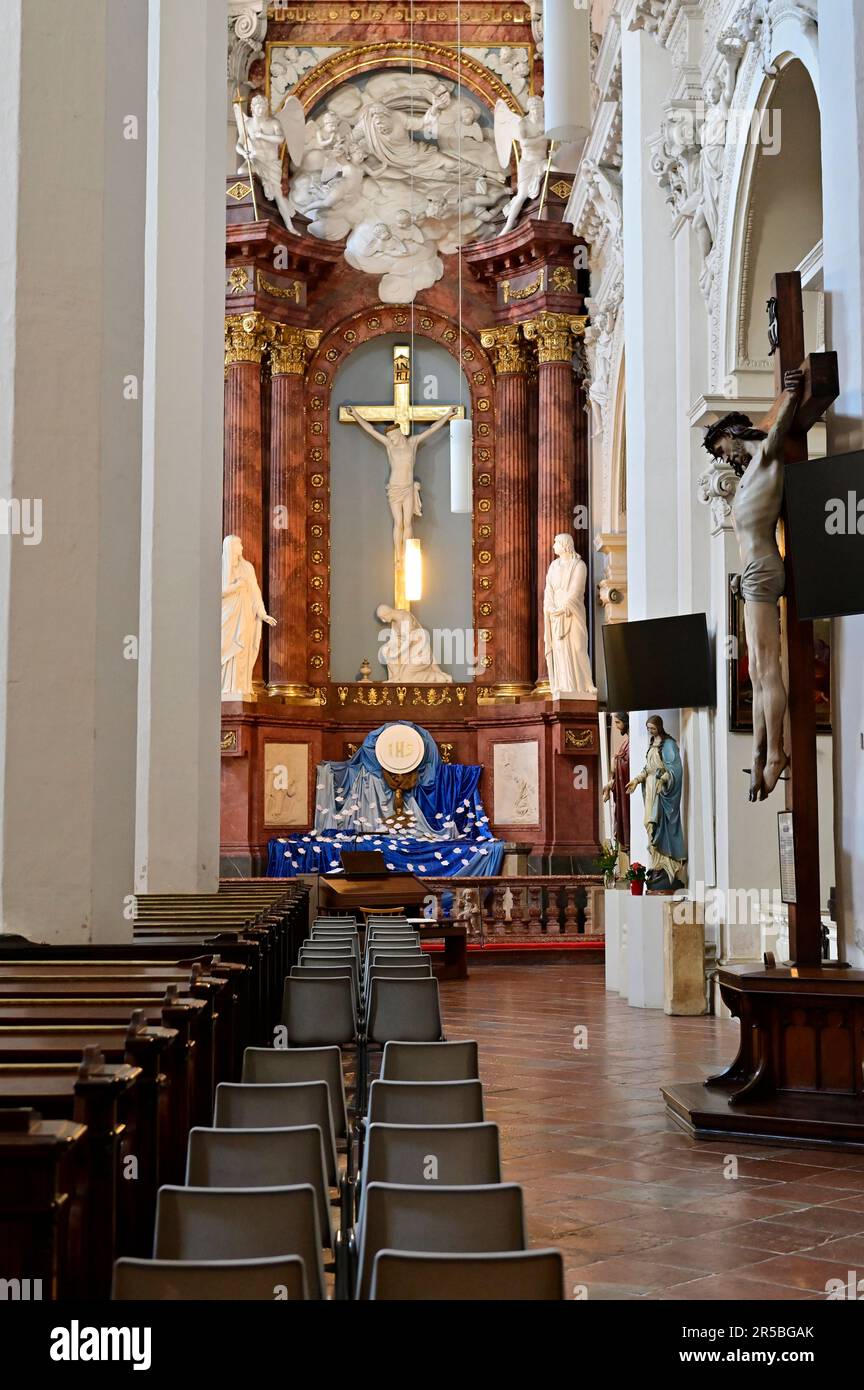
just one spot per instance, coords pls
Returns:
(638, 1208)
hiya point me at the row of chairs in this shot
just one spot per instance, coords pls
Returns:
(273, 1203)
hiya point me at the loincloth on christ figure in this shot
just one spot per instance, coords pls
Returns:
(400, 493)
(764, 579)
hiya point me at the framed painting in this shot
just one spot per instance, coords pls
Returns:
(740, 685)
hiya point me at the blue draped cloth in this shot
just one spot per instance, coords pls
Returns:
(449, 834)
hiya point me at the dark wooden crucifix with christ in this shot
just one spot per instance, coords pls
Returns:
(819, 389)
(798, 1075)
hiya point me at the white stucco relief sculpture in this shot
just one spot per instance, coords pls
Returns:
(288, 65)
(512, 65)
(401, 165)
(536, 8)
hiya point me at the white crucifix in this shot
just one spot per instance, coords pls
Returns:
(403, 489)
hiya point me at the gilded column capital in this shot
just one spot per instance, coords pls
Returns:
(291, 348)
(246, 337)
(555, 335)
(510, 353)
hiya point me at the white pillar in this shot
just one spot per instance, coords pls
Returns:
(71, 233)
(649, 289)
(693, 577)
(177, 830)
(841, 62)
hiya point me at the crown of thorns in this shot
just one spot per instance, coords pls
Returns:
(736, 425)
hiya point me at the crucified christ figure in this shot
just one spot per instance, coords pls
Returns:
(758, 458)
(403, 490)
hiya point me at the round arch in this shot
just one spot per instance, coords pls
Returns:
(334, 348)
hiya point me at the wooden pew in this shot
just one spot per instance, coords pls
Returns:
(42, 980)
(190, 1019)
(40, 1166)
(161, 1115)
(100, 1097)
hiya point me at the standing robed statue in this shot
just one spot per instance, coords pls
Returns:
(662, 780)
(616, 787)
(243, 612)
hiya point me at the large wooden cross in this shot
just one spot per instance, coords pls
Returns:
(402, 411)
(821, 388)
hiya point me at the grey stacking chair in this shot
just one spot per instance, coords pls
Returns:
(283, 1105)
(519, 1276)
(410, 970)
(261, 1158)
(311, 957)
(333, 945)
(394, 955)
(404, 1011)
(450, 1220)
(425, 1103)
(446, 1061)
(247, 1223)
(313, 970)
(278, 1065)
(227, 1281)
(464, 1155)
(319, 1013)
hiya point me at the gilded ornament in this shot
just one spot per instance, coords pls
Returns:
(293, 291)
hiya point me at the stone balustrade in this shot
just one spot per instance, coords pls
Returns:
(523, 908)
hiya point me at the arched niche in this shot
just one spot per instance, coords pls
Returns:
(777, 223)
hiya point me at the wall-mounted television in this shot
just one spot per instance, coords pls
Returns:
(660, 663)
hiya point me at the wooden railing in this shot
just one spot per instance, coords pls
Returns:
(523, 908)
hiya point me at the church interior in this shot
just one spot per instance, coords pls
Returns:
(477, 914)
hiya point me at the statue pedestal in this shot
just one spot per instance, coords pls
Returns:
(683, 958)
(645, 966)
(615, 903)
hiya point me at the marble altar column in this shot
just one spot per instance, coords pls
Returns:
(514, 531)
(555, 336)
(286, 522)
(245, 344)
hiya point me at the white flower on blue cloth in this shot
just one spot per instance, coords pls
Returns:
(391, 866)
(410, 868)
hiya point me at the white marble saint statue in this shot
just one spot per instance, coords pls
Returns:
(407, 650)
(243, 612)
(529, 134)
(565, 630)
(260, 137)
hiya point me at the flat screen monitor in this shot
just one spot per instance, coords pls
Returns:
(660, 663)
(825, 541)
(363, 863)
